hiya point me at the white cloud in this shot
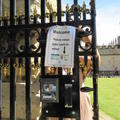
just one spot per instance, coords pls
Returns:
(108, 25)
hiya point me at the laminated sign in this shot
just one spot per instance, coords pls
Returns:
(60, 46)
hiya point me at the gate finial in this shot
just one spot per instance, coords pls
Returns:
(35, 11)
(67, 8)
(20, 13)
(5, 15)
(84, 6)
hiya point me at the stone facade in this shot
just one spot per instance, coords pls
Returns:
(20, 101)
(110, 57)
(50, 6)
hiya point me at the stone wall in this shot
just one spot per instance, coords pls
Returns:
(20, 101)
(110, 57)
(50, 4)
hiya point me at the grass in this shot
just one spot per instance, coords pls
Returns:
(109, 95)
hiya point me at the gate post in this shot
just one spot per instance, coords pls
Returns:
(12, 90)
(27, 62)
(0, 71)
(95, 63)
(76, 63)
(12, 68)
(0, 7)
(0, 89)
(42, 34)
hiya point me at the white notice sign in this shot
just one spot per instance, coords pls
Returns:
(60, 46)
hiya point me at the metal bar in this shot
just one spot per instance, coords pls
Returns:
(35, 60)
(58, 10)
(0, 7)
(23, 55)
(0, 11)
(0, 72)
(67, 17)
(43, 11)
(43, 35)
(75, 11)
(0, 90)
(12, 69)
(31, 26)
(76, 73)
(28, 97)
(27, 62)
(75, 2)
(60, 69)
(76, 62)
(59, 20)
(84, 16)
(12, 90)
(95, 66)
(20, 61)
(12, 11)
(20, 20)
(43, 46)
(59, 14)
(51, 18)
(5, 61)
(27, 11)
(35, 20)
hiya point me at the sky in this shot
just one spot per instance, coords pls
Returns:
(107, 19)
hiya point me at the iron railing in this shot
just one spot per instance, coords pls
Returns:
(13, 54)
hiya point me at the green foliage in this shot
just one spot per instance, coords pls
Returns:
(109, 95)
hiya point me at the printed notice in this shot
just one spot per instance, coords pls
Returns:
(60, 46)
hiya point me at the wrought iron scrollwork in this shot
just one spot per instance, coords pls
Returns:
(4, 38)
(23, 40)
(20, 37)
(84, 32)
(34, 40)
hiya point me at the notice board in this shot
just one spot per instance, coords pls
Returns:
(60, 46)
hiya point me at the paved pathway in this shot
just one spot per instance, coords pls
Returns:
(103, 116)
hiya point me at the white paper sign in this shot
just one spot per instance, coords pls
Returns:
(60, 46)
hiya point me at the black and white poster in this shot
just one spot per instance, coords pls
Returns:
(60, 46)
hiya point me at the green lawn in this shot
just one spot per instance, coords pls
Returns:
(109, 95)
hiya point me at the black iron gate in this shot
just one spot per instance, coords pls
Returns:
(15, 25)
